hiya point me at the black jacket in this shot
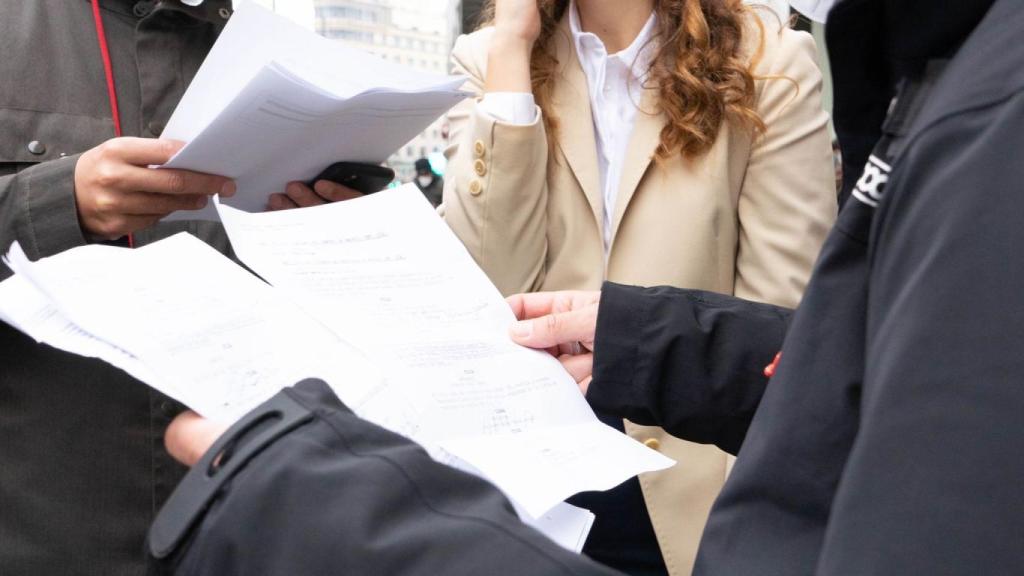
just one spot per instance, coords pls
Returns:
(82, 464)
(888, 441)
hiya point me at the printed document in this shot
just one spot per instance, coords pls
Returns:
(275, 103)
(377, 297)
(181, 317)
(388, 276)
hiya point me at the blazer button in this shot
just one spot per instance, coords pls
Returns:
(652, 443)
(36, 147)
(480, 167)
(479, 148)
(475, 187)
(224, 13)
(155, 128)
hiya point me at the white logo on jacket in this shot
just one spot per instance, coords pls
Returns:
(871, 186)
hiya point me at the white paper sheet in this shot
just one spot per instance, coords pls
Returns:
(275, 103)
(24, 307)
(377, 297)
(566, 524)
(208, 333)
(385, 273)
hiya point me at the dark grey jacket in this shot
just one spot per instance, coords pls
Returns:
(82, 464)
(889, 440)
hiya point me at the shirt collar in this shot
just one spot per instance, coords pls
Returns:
(637, 55)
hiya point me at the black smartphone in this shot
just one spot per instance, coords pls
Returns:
(365, 178)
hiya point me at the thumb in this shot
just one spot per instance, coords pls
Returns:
(554, 329)
(189, 436)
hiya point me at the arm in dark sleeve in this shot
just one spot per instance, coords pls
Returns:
(341, 495)
(935, 481)
(689, 361)
(38, 209)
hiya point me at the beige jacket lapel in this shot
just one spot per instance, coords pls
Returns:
(570, 106)
(642, 145)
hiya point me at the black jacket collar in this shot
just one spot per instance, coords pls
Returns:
(872, 45)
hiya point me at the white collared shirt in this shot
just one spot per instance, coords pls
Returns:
(615, 85)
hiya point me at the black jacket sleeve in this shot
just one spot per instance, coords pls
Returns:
(338, 495)
(935, 481)
(689, 361)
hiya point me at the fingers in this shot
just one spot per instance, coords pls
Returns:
(280, 202)
(334, 192)
(189, 436)
(521, 303)
(298, 195)
(117, 194)
(585, 384)
(536, 304)
(139, 151)
(555, 329)
(149, 204)
(169, 181)
(302, 195)
(573, 348)
(579, 367)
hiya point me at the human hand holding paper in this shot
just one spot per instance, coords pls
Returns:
(563, 323)
(117, 194)
(274, 104)
(376, 297)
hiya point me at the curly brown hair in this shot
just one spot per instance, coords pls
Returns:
(701, 69)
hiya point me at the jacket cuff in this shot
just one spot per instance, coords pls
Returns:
(512, 107)
(615, 388)
(50, 212)
(497, 147)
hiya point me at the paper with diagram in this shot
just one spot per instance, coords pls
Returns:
(275, 103)
(377, 297)
(387, 275)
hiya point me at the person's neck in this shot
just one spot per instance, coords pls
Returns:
(616, 23)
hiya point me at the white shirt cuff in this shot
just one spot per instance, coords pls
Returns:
(512, 107)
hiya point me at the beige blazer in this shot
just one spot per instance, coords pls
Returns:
(747, 219)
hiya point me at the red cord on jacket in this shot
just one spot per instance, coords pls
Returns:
(109, 71)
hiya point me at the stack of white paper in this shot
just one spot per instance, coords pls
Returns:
(377, 297)
(275, 103)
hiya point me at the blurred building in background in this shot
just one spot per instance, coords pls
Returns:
(414, 33)
(299, 11)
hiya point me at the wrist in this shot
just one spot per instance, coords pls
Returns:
(508, 65)
(511, 44)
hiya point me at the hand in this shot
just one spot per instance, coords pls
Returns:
(298, 195)
(563, 323)
(516, 28)
(118, 194)
(189, 436)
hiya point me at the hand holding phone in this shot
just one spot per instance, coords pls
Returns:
(339, 181)
(365, 178)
